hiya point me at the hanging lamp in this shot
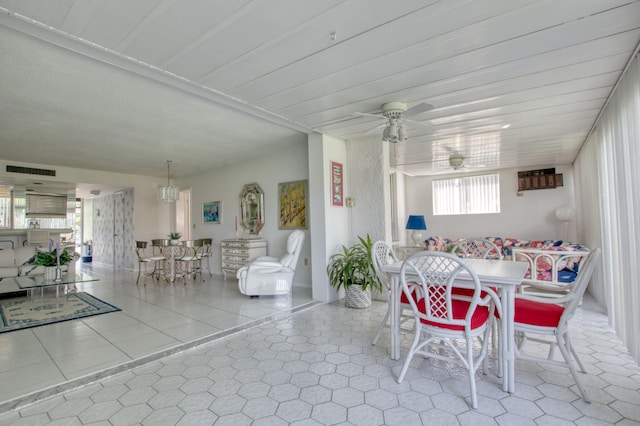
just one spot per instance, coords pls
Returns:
(170, 192)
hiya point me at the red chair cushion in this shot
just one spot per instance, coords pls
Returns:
(460, 308)
(536, 313)
(404, 299)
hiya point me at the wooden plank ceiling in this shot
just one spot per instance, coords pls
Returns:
(209, 83)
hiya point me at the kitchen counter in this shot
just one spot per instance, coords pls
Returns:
(23, 231)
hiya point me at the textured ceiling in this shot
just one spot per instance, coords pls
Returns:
(123, 86)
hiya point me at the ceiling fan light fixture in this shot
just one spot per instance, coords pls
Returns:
(456, 162)
(402, 133)
(390, 133)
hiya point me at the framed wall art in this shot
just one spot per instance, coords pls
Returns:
(292, 201)
(337, 187)
(212, 212)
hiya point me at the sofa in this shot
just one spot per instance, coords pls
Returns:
(553, 264)
(16, 262)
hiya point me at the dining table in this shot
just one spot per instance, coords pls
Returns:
(506, 276)
(171, 252)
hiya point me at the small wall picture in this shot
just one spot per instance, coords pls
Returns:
(337, 195)
(212, 212)
(292, 201)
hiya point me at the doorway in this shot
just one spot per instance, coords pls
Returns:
(183, 214)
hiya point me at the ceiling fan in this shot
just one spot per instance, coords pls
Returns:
(456, 164)
(395, 116)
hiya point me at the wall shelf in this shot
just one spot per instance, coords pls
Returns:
(539, 179)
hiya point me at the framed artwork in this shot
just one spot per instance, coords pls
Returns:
(212, 212)
(292, 201)
(337, 196)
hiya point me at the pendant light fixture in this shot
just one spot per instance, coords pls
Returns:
(170, 192)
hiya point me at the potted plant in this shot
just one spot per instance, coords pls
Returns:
(175, 238)
(352, 269)
(49, 259)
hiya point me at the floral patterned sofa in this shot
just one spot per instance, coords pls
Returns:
(553, 264)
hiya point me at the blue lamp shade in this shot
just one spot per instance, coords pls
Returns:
(416, 222)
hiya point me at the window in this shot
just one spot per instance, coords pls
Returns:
(5, 208)
(466, 195)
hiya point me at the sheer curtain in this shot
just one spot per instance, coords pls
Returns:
(607, 174)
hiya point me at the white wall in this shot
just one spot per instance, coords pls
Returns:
(225, 185)
(329, 225)
(369, 185)
(529, 216)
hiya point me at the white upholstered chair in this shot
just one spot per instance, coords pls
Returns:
(268, 275)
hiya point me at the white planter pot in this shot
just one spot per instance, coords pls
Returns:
(174, 242)
(357, 298)
(50, 273)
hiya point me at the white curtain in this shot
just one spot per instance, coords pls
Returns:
(467, 195)
(607, 174)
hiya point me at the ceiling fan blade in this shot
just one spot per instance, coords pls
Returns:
(365, 114)
(414, 123)
(418, 109)
(443, 171)
(375, 129)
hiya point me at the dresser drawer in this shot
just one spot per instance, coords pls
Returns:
(236, 253)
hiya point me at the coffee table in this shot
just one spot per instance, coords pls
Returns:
(35, 282)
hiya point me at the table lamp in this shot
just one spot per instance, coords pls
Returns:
(417, 224)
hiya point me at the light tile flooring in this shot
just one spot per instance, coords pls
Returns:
(317, 366)
(156, 318)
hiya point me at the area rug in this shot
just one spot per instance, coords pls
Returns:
(20, 313)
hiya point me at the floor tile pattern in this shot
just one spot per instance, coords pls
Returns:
(157, 318)
(318, 367)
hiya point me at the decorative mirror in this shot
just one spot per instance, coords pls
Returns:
(252, 208)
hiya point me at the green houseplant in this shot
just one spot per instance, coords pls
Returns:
(175, 238)
(352, 269)
(49, 258)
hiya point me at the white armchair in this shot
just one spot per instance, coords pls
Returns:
(268, 275)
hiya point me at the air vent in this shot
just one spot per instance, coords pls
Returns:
(30, 171)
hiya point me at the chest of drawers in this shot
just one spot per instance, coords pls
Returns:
(235, 253)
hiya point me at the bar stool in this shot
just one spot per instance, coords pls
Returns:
(191, 258)
(142, 258)
(158, 257)
(205, 253)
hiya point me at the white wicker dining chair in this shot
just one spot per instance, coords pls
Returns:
(477, 248)
(444, 317)
(549, 316)
(382, 254)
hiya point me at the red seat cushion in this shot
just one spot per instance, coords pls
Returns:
(404, 299)
(460, 308)
(536, 313)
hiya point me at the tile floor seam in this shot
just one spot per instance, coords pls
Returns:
(92, 378)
